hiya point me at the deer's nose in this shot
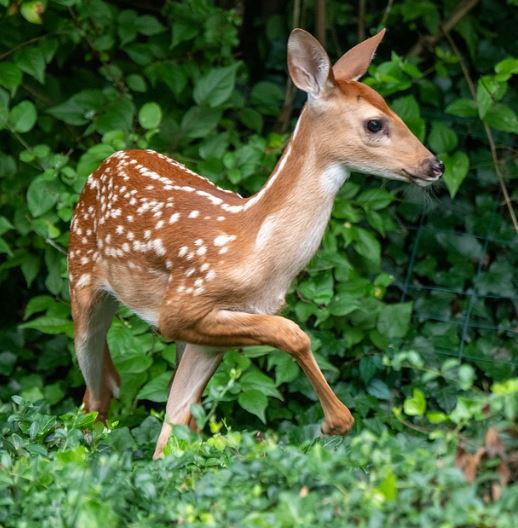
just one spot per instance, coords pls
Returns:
(436, 168)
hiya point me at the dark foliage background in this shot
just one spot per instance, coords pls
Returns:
(411, 302)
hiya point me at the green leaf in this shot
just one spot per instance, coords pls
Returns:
(375, 199)
(156, 390)
(117, 115)
(148, 25)
(200, 121)
(255, 402)
(368, 246)
(50, 325)
(136, 82)
(92, 158)
(379, 389)
(150, 115)
(32, 61)
(10, 76)
(23, 117)
(503, 118)
(416, 405)
(32, 11)
(254, 379)
(4, 247)
(506, 68)
(42, 194)
(388, 487)
(489, 90)
(215, 87)
(457, 166)
(442, 138)
(394, 320)
(408, 109)
(5, 225)
(462, 108)
(133, 364)
(79, 109)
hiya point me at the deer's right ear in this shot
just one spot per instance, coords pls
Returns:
(308, 63)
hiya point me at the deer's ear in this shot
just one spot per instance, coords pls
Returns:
(308, 63)
(353, 64)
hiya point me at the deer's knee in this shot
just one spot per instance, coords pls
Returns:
(297, 342)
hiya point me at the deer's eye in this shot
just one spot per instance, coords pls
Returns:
(374, 125)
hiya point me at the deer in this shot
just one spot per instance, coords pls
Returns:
(210, 269)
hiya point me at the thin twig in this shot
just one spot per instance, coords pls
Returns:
(428, 41)
(321, 21)
(56, 246)
(361, 20)
(386, 13)
(289, 95)
(21, 45)
(489, 134)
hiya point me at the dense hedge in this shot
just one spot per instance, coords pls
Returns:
(412, 300)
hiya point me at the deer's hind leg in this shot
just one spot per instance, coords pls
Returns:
(93, 311)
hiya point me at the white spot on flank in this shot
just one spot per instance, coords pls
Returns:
(198, 242)
(84, 280)
(174, 218)
(158, 246)
(189, 272)
(220, 218)
(159, 224)
(221, 240)
(205, 266)
(201, 251)
(210, 275)
(147, 233)
(119, 230)
(183, 251)
(194, 214)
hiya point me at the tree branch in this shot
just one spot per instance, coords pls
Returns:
(429, 41)
(489, 134)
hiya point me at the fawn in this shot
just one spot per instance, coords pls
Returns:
(210, 269)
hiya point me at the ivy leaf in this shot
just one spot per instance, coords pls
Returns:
(254, 402)
(150, 115)
(214, 88)
(23, 117)
(416, 405)
(457, 166)
(156, 390)
(394, 320)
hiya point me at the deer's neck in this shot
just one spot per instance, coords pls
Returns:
(294, 206)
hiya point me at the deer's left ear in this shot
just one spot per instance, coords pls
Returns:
(353, 64)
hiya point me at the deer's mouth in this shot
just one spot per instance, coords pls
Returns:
(419, 180)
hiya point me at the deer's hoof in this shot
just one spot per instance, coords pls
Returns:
(339, 426)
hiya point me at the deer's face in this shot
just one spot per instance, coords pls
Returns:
(355, 125)
(370, 138)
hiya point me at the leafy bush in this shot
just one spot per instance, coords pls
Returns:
(410, 302)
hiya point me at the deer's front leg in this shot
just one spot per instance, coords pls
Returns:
(193, 372)
(228, 328)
